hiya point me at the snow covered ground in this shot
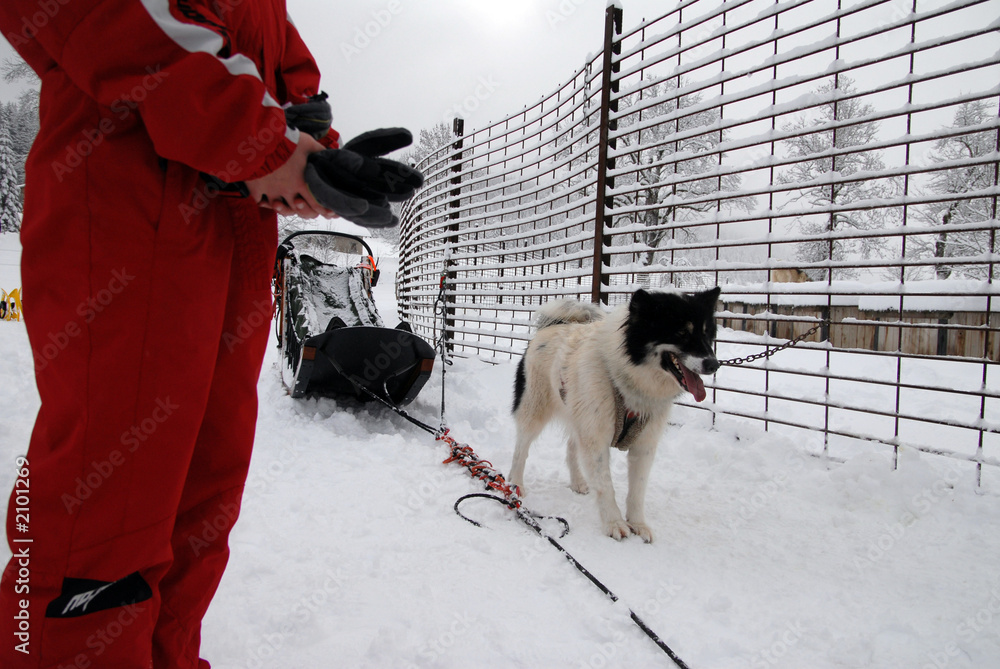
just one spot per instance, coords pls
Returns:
(348, 553)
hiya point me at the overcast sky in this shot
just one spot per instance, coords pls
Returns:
(485, 58)
(415, 63)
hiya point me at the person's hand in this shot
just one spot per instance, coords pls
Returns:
(285, 189)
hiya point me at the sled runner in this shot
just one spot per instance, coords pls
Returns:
(332, 339)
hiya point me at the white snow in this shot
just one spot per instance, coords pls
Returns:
(348, 553)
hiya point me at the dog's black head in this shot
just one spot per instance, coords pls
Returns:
(675, 331)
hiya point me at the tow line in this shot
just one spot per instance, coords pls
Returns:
(502, 491)
(464, 455)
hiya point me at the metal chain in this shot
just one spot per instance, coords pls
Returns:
(733, 362)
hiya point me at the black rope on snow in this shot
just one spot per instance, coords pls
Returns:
(531, 520)
(640, 623)
(483, 495)
(510, 505)
(378, 398)
(657, 640)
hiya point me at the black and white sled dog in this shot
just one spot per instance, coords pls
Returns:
(612, 380)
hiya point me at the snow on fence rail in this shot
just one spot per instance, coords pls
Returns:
(821, 160)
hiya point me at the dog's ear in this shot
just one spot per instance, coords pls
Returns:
(709, 297)
(637, 304)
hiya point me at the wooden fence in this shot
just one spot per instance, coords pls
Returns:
(965, 334)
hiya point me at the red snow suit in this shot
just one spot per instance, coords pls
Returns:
(147, 305)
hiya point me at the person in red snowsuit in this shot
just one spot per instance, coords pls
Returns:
(147, 304)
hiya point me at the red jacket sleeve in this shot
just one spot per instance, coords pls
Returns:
(202, 103)
(300, 76)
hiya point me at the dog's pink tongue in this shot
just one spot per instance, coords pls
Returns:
(694, 384)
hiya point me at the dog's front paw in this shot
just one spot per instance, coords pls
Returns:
(642, 529)
(579, 487)
(618, 529)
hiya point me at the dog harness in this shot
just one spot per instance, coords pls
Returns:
(625, 418)
(628, 423)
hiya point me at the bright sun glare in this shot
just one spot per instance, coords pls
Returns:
(509, 13)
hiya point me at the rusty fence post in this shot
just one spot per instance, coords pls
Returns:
(609, 104)
(451, 241)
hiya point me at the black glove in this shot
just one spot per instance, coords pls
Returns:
(313, 117)
(356, 183)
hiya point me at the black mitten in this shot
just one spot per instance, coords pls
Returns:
(380, 142)
(356, 183)
(313, 117)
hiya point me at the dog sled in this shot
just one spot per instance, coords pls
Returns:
(332, 339)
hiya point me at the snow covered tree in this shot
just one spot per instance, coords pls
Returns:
(15, 69)
(670, 156)
(956, 181)
(826, 139)
(430, 140)
(22, 116)
(23, 128)
(10, 195)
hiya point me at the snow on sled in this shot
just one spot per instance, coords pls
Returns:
(332, 339)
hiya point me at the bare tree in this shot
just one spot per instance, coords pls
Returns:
(956, 181)
(827, 134)
(15, 69)
(429, 140)
(677, 163)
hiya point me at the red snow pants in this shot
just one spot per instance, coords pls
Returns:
(148, 339)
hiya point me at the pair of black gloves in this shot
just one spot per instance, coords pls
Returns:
(355, 182)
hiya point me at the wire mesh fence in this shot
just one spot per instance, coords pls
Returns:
(824, 162)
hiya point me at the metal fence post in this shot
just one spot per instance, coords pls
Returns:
(450, 276)
(612, 48)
